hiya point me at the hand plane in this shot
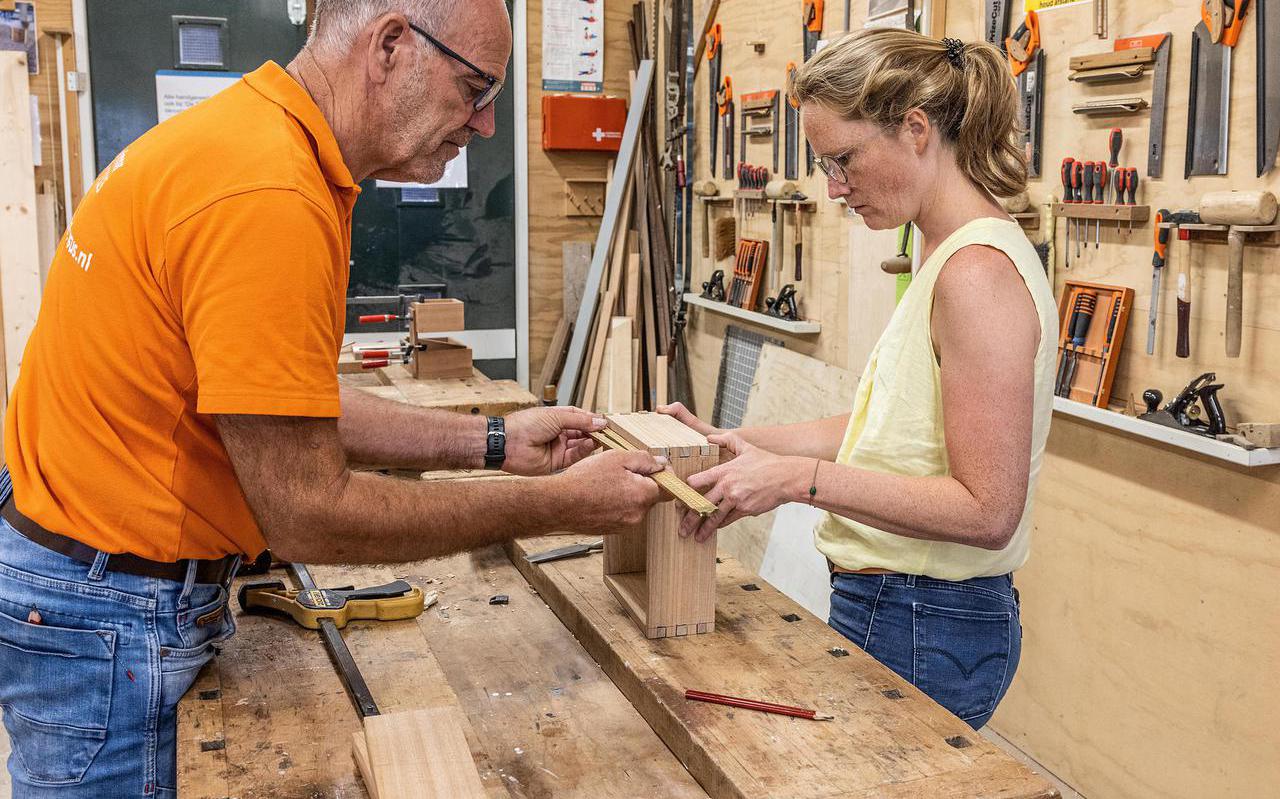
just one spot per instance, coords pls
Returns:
(1200, 397)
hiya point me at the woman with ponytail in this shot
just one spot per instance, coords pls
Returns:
(927, 484)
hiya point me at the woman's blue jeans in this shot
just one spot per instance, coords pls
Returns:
(959, 642)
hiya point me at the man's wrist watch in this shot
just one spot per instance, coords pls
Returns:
(495, 451)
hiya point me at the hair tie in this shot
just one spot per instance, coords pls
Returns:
(955, 52)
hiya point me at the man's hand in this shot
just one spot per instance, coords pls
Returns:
(755, 481)
(683, 415)
(545, 440)
(613, 490)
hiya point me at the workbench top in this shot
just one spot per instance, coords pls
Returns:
(269, 719)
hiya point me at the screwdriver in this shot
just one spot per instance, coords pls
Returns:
(1100, 188)
(1119, 182)
(1114, 141)
(1131, 185)
(1090, 183)
(1068, 197)
(1077, 186)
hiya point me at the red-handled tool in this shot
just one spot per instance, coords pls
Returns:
(374, 364)
(752, 704)
(1069, 198)
(378, 318)
(1157, 271)
(1100, 188)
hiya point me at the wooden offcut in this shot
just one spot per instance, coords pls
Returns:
(421, 754)
(669, 591)
(442, 315)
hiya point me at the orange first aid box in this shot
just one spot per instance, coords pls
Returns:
(577, 122)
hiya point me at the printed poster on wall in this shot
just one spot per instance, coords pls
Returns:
(179, 89)
(1049, 5)
(454, 177)
(573, 46)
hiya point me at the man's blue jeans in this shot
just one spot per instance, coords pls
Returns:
(92, 665)
(959, 642)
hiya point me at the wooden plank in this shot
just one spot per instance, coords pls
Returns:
(575, 259)
(19, 241)
(422, 754)
(596, 359)
(360, 750)
(555, 356)
(618, 387)
(888, 738)
(613, 205)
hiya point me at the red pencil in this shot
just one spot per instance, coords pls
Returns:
(752, 704)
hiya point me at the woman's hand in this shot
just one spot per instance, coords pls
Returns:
(683, 415)
(755, 481)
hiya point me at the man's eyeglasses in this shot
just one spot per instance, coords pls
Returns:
(493, 86)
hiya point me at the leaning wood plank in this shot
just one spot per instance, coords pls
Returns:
(19, 236)
(612, 207)
(888, 739)
(619, 390)
(360, 751)
(555, 356)
(597, 352)
(422, 754)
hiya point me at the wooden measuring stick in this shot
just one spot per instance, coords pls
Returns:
(665, 478)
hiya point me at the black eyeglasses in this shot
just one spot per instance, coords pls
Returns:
(493, 86)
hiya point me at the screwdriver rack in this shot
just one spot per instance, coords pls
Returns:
(1106, 212)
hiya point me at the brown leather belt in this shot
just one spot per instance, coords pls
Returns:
(217, 571)
(870, 570)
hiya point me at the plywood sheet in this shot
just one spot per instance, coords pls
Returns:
(788, 387)
(19, 237)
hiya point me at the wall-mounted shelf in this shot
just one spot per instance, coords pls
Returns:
(1255, 234)
(717, 199)
(1106, 212)
(1168, 435)
(1030, 220)
(804, 327)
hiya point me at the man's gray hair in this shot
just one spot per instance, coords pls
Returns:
(337, 22)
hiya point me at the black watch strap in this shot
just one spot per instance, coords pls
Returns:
(495, 451)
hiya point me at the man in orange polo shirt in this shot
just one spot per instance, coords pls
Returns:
(178, 406)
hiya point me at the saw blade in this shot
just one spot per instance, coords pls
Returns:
(1211, 76)
(1268, 37)
(1031, 103)
(1153, 313)
(995, 21)
(1159, 109)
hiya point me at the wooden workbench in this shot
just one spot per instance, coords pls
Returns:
(269, 717)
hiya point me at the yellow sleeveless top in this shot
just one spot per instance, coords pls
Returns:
(896, 425)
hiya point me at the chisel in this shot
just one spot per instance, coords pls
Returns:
(1106, 347)
(1157, 269)
(1068, 197)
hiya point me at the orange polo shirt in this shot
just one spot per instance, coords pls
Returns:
(205, 272)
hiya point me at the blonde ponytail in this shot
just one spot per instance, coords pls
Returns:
(966, 91)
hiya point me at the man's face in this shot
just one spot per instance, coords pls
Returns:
(427, 112)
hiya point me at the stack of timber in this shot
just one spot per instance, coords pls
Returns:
(616, 355)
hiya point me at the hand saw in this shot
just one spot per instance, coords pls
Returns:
(1031, 108)
(1209, 111)
(724, 105)
(813, 14)
(714, 40)
(791, 160)
(1268, 111)
(1023, 44)
(995, 21)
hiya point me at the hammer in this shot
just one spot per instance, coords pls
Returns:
(1237, 208)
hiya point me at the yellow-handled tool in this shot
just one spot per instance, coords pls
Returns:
(395, 600)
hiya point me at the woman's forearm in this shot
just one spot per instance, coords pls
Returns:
(929, 508)
(819, 438)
